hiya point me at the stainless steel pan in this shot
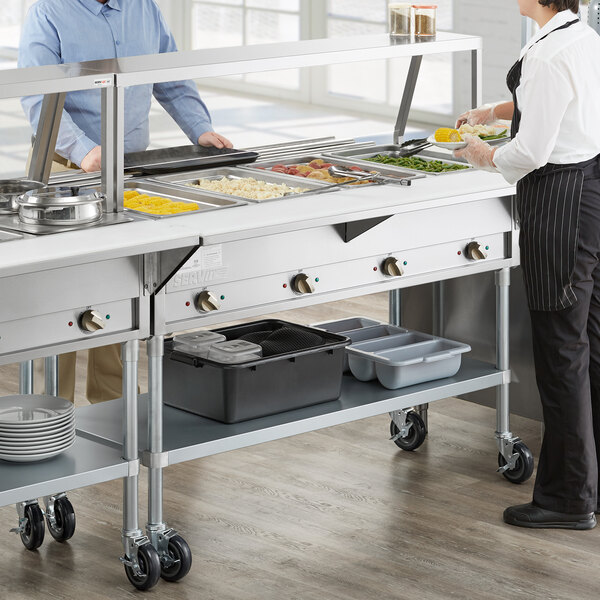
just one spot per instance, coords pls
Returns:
(61, 206)
(11, 189)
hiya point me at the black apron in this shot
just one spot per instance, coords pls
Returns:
(548, 202)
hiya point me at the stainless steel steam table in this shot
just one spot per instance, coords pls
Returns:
(242, 262)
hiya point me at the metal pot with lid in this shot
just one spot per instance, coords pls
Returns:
(61, 206)
(11, 189)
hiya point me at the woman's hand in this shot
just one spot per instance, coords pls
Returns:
(477, 116)
(478, 153)
(92, 161)
(210, 138)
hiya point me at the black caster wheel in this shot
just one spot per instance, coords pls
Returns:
(180, 561)
(523, 468)
(416, 434)
(149, 563)
(33, 533)
(64, 516)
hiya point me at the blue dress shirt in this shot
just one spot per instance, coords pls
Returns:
(65, 31)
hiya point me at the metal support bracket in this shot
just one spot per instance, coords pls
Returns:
(350, 231)
(46, 135)
(133, 468)
(155, 460)
(157, 273)
(506, 442)
(407, 98)
(113, 148)
(399, 419)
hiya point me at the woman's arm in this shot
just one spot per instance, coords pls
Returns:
(505, 110)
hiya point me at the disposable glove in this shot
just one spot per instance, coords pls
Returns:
(477, 116)
(478, 153)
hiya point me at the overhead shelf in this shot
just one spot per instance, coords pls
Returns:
(188, 436)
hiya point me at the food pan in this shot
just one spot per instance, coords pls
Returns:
(184, 179)
(360, 329)
(11, 189)
(406, 359)
(360, 154)
(305, 160)
(347, 324)
(204, 200)
(58, 206)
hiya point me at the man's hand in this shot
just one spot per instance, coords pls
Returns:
(92, 161)
(210, 138)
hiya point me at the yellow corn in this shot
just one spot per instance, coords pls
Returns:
(156, 205)
(445, 134)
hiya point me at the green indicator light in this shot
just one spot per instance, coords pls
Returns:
(108, 316)
(487, 247)
(405, 262)
(222, 297)
(317, 279)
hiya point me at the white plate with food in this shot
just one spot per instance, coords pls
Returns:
(451, 139)
(492, 134)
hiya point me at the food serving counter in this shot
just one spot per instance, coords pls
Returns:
(155, 276)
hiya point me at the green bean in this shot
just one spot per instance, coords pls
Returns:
(417, 163)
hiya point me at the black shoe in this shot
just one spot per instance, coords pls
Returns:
(530, 515)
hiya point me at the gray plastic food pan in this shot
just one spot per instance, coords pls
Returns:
(363, 368)
(347, 324)
(416, 359)
(365, 329)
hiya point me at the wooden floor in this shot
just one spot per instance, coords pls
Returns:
(338, 514)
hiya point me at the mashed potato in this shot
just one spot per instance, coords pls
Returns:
(247, 187)
(482, 130)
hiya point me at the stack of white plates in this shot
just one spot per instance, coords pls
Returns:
(35, 427)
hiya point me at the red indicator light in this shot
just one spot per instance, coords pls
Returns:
(374, 268)
(459, 253)
(285, 285)
(70, 323)
(187, 303)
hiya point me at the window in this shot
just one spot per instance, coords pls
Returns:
(220, 23)
(377, 86)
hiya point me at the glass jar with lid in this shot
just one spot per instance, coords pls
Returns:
(401, 21)
(425, 19)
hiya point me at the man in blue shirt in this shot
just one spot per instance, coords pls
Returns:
(65, 31)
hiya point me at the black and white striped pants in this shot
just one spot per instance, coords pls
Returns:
(566, 345)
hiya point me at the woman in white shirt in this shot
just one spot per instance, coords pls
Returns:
(554, 158)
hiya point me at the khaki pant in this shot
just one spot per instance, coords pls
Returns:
(59, 164)
(104, 374)
(104, 367)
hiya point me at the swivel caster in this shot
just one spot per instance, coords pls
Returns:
(177, 562)
(31, 525)
(413, 434)
(144, 570)
(60, 517)
(523, 468)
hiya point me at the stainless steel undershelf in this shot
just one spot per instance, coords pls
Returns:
(187, 436)
(88, 462)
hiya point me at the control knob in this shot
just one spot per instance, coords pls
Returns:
(303, 284)
(391, 267)
(475, 251)
(206, 302)
(91, 320)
